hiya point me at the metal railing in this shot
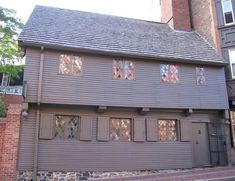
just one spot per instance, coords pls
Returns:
(16, 90)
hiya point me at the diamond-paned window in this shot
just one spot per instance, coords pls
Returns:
(70, 65)
(120, 129)
(66, 127)
(123, 70)
(167, 130)
(200, 76)
(169, 73)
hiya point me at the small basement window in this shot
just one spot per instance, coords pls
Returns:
(120, 129)
(123, 70)
(200, 76)
(227, 12)
(169, 73)
(70, 65)
(66, 127)
(167, 130)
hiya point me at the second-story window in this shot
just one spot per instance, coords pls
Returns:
(200, 76)
(232, 61)
(70, 65)
(169, 73)
(123, 70)
(227, 12)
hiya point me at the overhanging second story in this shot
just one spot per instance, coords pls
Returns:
(80, 58)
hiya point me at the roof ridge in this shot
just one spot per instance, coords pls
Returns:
(97, 13)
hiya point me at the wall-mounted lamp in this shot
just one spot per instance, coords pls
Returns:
(24, 113)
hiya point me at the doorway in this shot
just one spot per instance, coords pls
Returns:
(200, 144)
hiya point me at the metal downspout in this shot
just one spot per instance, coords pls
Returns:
(35, 158)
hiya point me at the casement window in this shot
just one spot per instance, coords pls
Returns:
(228, 12)
(167, 130)
(5, 80)
(232, 61)
(66, 127)
(120, 129)
(123, 70)
(169, 73)
(70, 65)
(233, 126)
(200, 76)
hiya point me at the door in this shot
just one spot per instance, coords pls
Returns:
(200, 144)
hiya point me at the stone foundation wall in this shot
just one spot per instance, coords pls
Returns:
(76, 176)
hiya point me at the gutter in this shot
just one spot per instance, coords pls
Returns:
(219, 62)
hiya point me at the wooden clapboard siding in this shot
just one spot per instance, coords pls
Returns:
(97, 155)
(31, 74)
(97, 87)
(26, 146)
(110, 156)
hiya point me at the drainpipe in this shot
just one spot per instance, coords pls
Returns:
(35, 158)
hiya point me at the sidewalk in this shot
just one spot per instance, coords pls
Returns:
(197, 174)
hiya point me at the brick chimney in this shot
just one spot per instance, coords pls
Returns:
(176, 14)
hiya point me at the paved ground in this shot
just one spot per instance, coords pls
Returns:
(205, 174)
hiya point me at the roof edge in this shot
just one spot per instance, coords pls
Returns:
(25, 44)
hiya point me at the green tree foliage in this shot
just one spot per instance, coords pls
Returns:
(3, 108)
(10, 27)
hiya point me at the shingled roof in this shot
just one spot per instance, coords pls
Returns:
(92, 32)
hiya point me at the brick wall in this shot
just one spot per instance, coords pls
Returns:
(9, 140)
(204, 20)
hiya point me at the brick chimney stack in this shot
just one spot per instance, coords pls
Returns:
(176, 14)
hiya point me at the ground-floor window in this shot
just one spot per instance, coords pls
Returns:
(66, 127)
(233, 126)
(120, 129)
(167, 130)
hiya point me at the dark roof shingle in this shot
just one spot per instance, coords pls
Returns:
(105, 33)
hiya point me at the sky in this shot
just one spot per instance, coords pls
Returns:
(138, 9)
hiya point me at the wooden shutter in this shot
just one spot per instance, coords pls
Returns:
(152, 129)
(139, 129)
(86, 128)
(186, 130)
(46, 126)
(103, 129)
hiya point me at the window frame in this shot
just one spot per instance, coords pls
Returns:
(66, 126)
(176, 126)
(71, 74)
(198, 75)
(231, 61)
(225, 12)
(131, 129)
(124, 60)
(170, 81)
(5, 80)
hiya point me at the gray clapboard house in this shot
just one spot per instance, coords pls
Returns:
(108, 93)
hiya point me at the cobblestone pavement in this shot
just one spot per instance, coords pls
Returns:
(204, 174)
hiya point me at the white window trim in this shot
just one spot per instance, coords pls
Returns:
(3, 83)
(224, 13)
(231, 62)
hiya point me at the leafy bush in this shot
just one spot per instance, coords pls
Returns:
(3, 108)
